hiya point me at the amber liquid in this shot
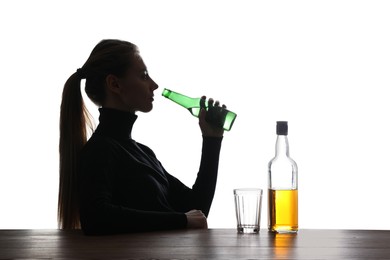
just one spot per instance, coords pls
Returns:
(283, 211)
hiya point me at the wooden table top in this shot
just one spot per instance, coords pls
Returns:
(196, 244)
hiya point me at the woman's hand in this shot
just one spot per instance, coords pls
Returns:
(207, 128)
(196, 219)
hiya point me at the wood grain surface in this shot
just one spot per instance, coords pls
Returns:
(196, 244)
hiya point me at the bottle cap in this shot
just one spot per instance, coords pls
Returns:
(281, 128)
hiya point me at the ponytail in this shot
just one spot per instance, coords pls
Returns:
(74, 118)
(108, 57)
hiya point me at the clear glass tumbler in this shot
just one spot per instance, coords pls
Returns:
(248, 209)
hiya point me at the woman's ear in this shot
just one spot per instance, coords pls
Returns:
(112, 83)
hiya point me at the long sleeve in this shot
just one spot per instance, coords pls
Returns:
(202, 193)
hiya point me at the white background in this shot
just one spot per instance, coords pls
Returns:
(322, 65)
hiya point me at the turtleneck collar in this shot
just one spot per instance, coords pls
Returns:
(115, 123)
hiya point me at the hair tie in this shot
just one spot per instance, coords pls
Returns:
(80, 73)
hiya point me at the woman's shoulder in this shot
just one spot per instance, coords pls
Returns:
(97, 140)
(99, 145)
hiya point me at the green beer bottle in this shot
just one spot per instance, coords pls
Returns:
(217, 116)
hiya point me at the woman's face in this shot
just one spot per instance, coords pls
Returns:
(135, 89)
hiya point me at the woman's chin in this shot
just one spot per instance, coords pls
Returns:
(147, 109)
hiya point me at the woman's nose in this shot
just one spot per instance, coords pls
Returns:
(154, 85)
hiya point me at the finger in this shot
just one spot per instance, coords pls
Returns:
(216, 104)
(211, 101)
(203, 102)
(202, 113)
(224, 106)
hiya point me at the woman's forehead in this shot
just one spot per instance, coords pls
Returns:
(138, 62)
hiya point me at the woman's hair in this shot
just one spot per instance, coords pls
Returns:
(108, 57)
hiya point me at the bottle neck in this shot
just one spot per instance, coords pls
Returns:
(282, 148)
(181, 99)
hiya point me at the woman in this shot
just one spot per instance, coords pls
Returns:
(110, 183)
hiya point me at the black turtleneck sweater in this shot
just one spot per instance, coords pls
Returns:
(124, 188)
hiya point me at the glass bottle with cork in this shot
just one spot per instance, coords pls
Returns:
(282, 186)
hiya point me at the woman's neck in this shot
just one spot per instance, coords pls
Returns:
(115, 123)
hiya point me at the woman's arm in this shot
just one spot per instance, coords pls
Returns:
(201, 195)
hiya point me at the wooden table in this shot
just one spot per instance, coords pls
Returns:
(196, 244)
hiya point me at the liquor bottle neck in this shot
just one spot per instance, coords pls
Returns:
(282, 148)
